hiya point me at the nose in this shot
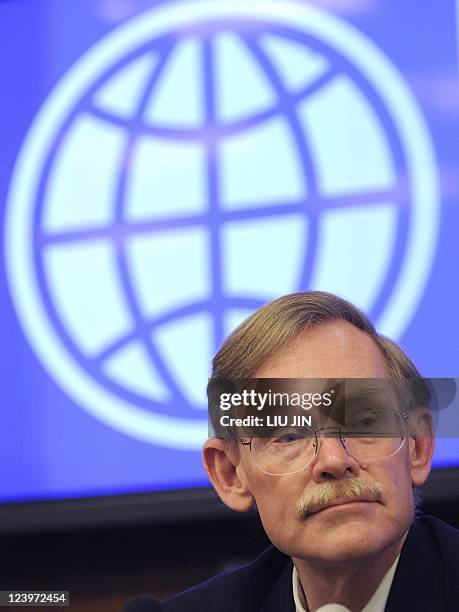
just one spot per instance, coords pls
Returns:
(332, 460)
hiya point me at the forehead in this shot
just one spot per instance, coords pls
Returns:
(330, 350)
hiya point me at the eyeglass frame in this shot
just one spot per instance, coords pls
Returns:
(406, 415)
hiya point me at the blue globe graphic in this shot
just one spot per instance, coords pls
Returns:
(203, 173)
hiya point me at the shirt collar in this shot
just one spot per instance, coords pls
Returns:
(377, 602)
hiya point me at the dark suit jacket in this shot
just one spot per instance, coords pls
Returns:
(426, 579)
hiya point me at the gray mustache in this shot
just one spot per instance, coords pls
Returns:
(339, 490)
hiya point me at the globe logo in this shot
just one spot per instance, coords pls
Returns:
(200, 160)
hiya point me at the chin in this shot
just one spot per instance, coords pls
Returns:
(348, 540)
(351, 546)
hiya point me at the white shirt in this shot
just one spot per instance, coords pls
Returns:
(377, 603)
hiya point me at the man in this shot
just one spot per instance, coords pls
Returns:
(342, 527)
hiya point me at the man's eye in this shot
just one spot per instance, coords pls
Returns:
(287, 438)
(365, 422)
(368, 421)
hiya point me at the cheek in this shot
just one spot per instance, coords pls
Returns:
(396, 479)
(275, 498)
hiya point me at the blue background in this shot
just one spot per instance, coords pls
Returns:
(51, 448)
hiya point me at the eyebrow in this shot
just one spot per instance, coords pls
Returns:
(363, 393)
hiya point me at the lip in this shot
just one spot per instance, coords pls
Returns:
(341, 504)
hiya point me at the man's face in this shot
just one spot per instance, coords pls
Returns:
(344, 531)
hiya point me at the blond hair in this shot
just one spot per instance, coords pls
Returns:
(276, 324)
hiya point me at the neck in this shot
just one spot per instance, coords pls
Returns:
(349, 583)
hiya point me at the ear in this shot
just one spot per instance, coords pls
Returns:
(421, 442)
(223, 466)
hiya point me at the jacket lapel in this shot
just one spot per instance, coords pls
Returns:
(280, 596)
(418, 583)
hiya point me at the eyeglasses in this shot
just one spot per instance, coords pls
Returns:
(366, 436)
